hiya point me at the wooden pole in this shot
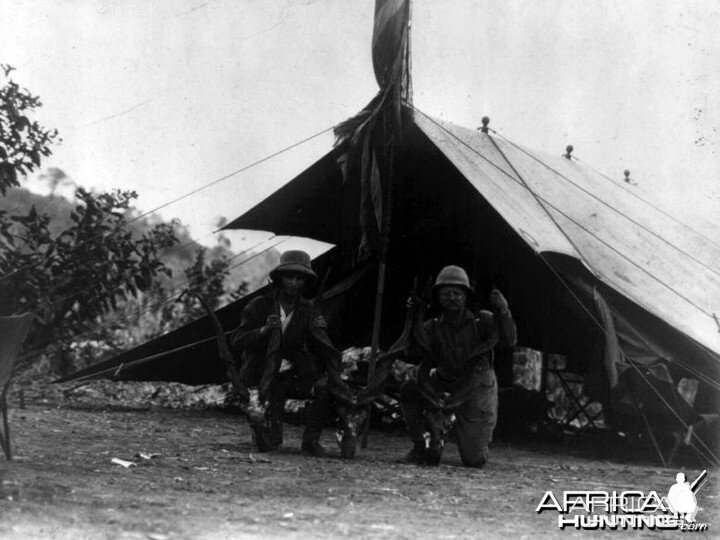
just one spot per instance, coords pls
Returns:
(377, 319)
(396, 123)
(385, 237)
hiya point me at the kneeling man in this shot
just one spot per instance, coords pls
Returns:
(456, 373)
(285, 325)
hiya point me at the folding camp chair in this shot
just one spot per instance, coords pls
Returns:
(687, 389)
(13, 331)
(642, 397)
(667, 416)
(583, 411)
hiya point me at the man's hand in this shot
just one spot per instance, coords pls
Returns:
(433, 399)
(498, 302)
(451, 403)
(354, 399)
(414, 301)
(272, 322)
(319, 322)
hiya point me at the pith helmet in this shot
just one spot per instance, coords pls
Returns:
(293, 260)
(455, 276)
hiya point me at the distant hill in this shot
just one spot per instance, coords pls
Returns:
(18, 201)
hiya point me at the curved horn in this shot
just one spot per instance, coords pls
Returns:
(224, 350)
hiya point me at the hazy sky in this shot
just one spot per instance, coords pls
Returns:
(163, 97)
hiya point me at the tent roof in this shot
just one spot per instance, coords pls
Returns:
(558, 205)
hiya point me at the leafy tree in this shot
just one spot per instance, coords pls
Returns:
(206, 279)
(70, 281)
(56, 178)
(95, 282)
(162, 308)
(23, 142)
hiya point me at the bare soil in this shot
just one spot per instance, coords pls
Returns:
(207, 482)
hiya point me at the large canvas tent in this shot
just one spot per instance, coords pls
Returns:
(592, 271)
(545, 227)
(547, 230)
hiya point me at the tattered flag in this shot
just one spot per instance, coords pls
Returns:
(370, 137)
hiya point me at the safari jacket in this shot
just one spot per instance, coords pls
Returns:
(304, 342)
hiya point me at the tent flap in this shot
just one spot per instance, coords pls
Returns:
(307, 206)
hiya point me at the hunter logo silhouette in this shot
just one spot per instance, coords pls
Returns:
(681, 496)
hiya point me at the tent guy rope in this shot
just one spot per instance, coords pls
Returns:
(147, 309)
(647, 202)
(606, 204)
(569, 218)
(164, 253)
(188, 194)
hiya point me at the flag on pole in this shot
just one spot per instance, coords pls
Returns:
(389, 40)
(371, 137)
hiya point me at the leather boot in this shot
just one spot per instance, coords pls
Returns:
(311, 442)
(276, 433)
(314, 448)
(416, 456)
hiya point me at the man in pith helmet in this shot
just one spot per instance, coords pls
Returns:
(304, 362)
(456, 373)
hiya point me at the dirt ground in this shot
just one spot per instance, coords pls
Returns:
(207, 482)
